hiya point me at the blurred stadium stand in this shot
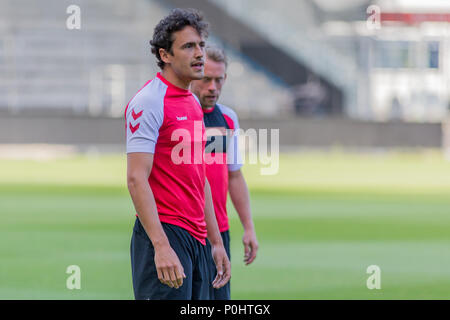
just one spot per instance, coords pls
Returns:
(46, 67)
(401, 50)
(97, 69)
(314, 57)
(267, 42)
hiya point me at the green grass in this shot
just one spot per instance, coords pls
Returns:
(321, 221)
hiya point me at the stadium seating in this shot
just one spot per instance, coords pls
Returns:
(46, 67)
(293, 27)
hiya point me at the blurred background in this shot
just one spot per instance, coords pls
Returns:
(319, 71)
(358, 89)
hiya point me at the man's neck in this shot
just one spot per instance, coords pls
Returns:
(172, 77)
(207, 109)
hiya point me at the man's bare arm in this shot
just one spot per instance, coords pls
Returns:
(241, 200)
(218, 251)
(168, 266)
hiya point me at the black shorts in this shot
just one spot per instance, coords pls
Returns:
(192, 255)
(223, 293)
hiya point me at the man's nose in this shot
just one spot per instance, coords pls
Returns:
(212, 86)
(199, 52)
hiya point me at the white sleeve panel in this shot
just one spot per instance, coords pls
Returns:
(145, 116)
(234, 158)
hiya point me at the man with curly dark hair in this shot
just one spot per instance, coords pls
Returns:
(168, 185)
(177, 20)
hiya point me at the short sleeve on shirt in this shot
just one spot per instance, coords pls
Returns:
(144, 116)
(234, 159)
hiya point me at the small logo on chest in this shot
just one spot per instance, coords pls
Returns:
(182, 118)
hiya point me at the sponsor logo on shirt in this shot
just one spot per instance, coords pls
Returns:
(182, 118)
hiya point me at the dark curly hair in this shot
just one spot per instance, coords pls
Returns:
(176, 21)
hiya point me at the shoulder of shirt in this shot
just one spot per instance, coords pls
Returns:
(196, 99)
(150, 96)
(228, 111)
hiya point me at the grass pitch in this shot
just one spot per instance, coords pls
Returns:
(321, 221)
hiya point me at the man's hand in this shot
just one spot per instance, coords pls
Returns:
(218, 252)
(250, 246)
(168, 266)
(223, 266)
(241, 200)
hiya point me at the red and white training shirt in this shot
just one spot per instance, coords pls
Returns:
(167, 121)
(222, 155)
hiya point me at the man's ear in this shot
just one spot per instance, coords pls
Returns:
(225, 77)
(165, 56)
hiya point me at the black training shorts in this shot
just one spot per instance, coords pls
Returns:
(192, 255)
